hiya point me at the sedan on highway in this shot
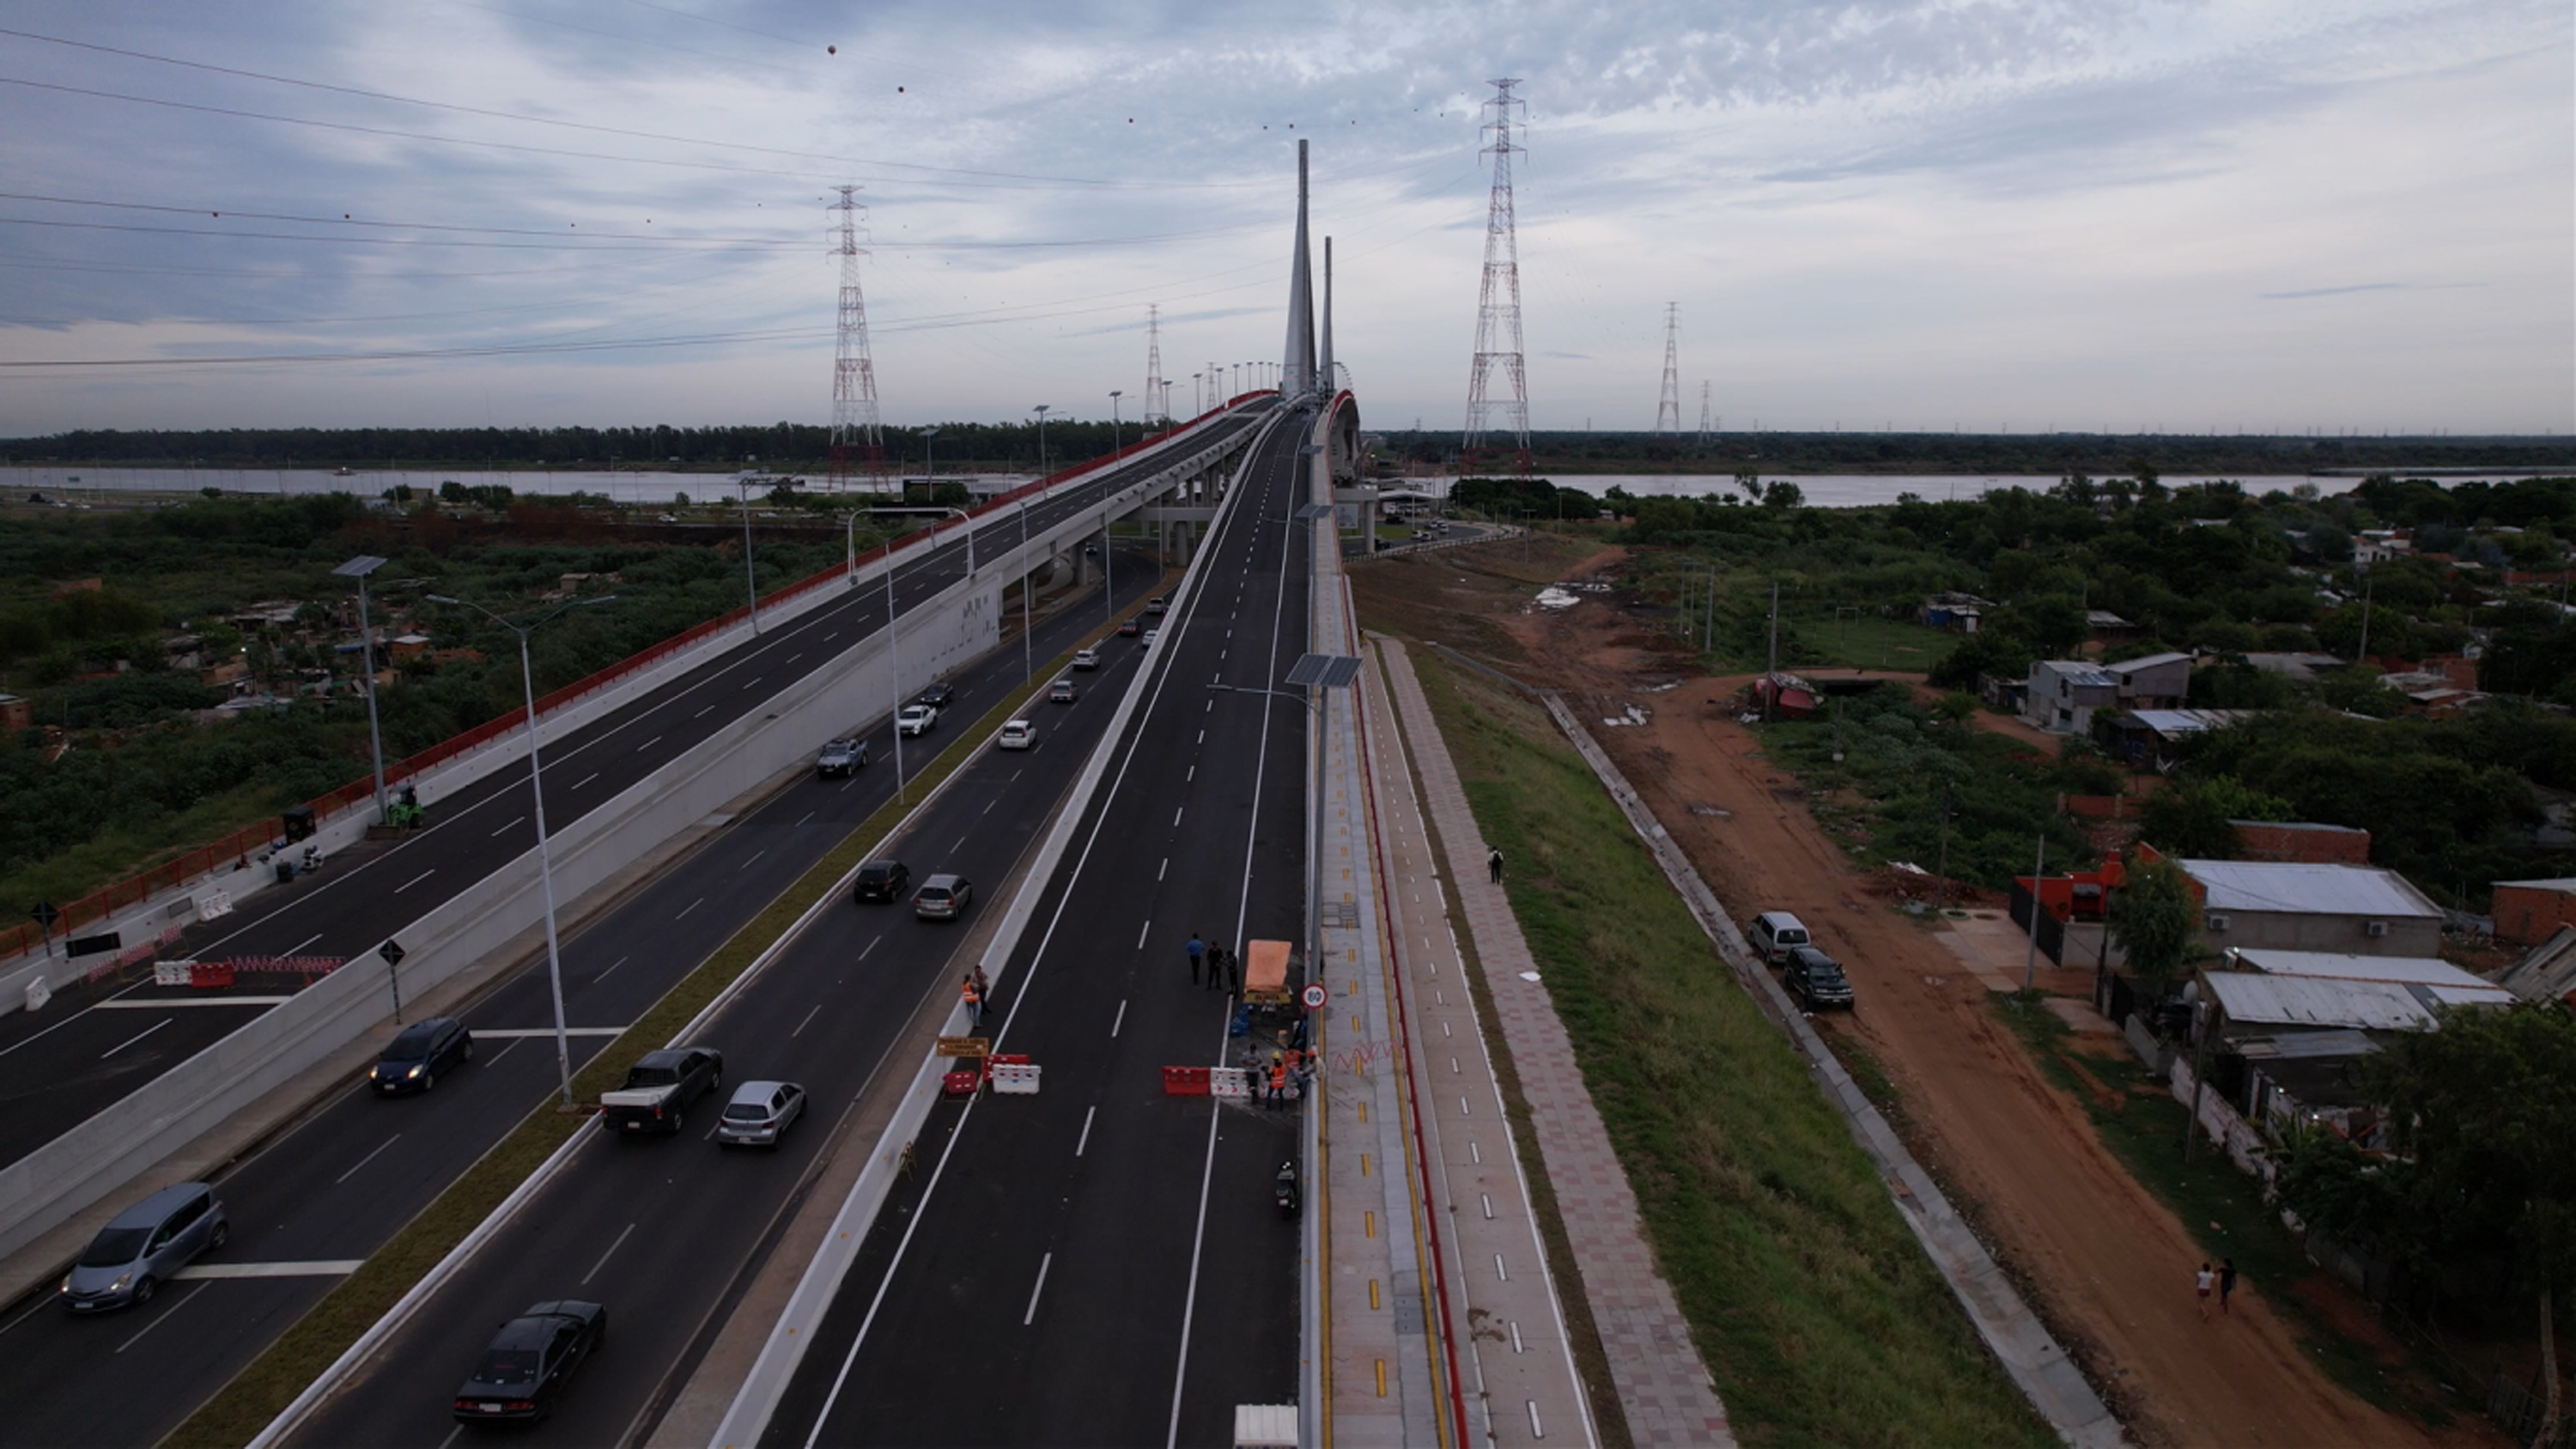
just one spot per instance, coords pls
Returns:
(1128, 627)
(759, 1114)
(1086, 659)
(937, 694)
(416, 1055)
(143, 1245)
(840, 758)
(1061, 692)
(881, 880)
(1018, 734)
(916, 720)
(530, 1360)
(943, 897)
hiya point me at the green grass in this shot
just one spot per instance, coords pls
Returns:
(1816, 1311)
(2134, 1112)
(262, 1391)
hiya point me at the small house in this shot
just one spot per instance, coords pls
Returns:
(2295, 906)
(2303, 841)
(2159, 681)
(1955, 613)
(2528, 912)
(2063, 693)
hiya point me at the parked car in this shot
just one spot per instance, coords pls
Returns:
(1817, 980)
(937, 694)
(759, 1114)
(943, 897)
(142, 1246)
(1061, 692)
(1018, 734)
(1086, 659)
(916, 720)
(660, 1087)
(418, 1053)
(1128, 627)
(841, 757)
(530, 1361)
(881, 880)
(1775, 933)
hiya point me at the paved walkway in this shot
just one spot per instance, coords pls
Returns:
(1663, 1388)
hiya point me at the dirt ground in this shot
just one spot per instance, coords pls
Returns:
(2112, 1265)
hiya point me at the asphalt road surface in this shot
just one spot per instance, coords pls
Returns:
(334, 1186)
(1102, 1264)
(61, 1066)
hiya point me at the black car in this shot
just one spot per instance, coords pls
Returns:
(415, 1057)
(1817, 980)
(881, 880)
(937, 695)
(530, 1360)
(1128, 628)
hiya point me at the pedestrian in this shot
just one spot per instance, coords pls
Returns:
(1278, 1079)
(1198, 950)
(1219, 959)
(974, 1004)
(2226, 1282)
(2201, 1281)
(1494, 866)
(983, 987)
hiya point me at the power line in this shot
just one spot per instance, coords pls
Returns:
(598, 241)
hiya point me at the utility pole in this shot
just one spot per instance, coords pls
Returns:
(854, 373)
(2030, 956)
(1498, 302)
(1153, 361)
(1707, 433)
(1771, 672)
(1668, 404)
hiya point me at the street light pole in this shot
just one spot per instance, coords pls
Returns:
(1114, 394)
(929, 475)
(750, 587)
(894, 679)
(537, 793)
(1041, 411)
(1028, 654)
(358, 568)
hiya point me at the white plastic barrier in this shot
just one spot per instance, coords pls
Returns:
(1015, 1079)
(1229, 1082)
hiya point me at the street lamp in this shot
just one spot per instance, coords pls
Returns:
(751, 589)
(1041, 411)
(358, 568)
(1114, 394)
(929, 482)
(850, 542)
(537, 792)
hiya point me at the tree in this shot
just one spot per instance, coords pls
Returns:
(2154, 920)
(2196, 820)
(2485, 1105)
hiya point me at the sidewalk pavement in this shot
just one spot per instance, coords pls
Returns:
(1664, 1389)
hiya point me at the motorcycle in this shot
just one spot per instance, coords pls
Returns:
(1283, 1190)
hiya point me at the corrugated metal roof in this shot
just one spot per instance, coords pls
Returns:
(2562, 883)
(2186, 721)
(2150, 662)
(2079, 671)
(2423, 970)
(2306, 889)
(2252, 997)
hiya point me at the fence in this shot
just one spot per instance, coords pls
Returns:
(234, 850)
(2052, 932)
(2519, 1410)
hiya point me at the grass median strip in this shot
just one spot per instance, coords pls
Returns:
(260, 1392)
(1817, 1313)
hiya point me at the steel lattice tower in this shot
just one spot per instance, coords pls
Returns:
(1707, 432)
(1154, 364)
(1668, 408)
(854, 375)
(1498, 301)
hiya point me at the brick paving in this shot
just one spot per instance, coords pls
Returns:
(1663, 1387)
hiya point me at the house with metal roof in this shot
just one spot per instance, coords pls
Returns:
(2063, 694)
(2158, 681)
(2296, 906)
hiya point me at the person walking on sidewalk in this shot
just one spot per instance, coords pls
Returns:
(1219, 960)
(1494, 866)
(1198, 951)
(2201, 1281)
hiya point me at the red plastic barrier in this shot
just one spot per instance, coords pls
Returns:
(210, 973)
(1185, 1081)
(962, 1083)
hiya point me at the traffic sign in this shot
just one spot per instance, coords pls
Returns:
(965, 1046)
(1313, 996)
(393, 953)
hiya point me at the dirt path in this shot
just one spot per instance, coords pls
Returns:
(2112, 1265)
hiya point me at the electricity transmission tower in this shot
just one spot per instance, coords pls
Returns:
(1154, 364)
(854, 375)
(1707, 430)
(1498, 302)
(1668, 408)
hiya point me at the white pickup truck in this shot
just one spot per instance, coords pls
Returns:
(660, 1087)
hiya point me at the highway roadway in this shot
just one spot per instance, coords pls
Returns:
(61, 1066)
(1102, 1264)
(336, 1184)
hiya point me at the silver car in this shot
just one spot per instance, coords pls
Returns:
(137, 1252)
(759, 1114)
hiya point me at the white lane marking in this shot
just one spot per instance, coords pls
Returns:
(1039, 1287)
(753, 685)
(450, 1440)
(755, 855)
(503, 1052)
(41, 1304)
(1474, 1154)
(872, 945)
(1176, 816)
(1535, 1431)
(164, 1318)
(691, 906)
(1499, 1270)
(138, 1036)
(621, 1242)
(810, 814)
(310, 1268)
(835, 634)
(1203, 737)
(515, 821)
(1141, 933)
(702, 714)
(1444, 1030)
(1120, 1020)
(1488, 1200)
(961, 843)
(818, 1007)
(613, 965)
(508, 1033)
(415, 880)
(1078, 1144)
(639, 749)
(1516, 1336)
(363, 1161)
(988, 806)
(157, 1003)
(298, 948)
(1192, 775)
(1211, 708)
(792, 658)
(1166, 865)
(1453, 1065)
(586, 779)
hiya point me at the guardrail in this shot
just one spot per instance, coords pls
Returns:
(234, 850)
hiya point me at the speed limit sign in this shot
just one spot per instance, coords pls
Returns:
(1313, 996)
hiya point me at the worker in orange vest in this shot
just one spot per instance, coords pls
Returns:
(974, 1004)
(1278, 1080)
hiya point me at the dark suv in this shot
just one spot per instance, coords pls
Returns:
(937, 695)
(881, 880)
(1817, 980)
(415, 1057)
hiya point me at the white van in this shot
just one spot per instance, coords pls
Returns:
(1775, 934)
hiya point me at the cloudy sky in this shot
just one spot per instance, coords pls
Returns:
(2180, 215)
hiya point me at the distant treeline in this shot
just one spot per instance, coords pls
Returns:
(777, 448)
(2040, 454)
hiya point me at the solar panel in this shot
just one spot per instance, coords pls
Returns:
(1332, 671)
(1313, 511)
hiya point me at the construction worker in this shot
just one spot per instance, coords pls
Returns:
(1278, 1079)
(974, 1004)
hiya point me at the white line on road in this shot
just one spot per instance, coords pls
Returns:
(1462, 1105)
(1474, 1154)
(691, 906)
(648, 744)
(415, 880)
(1499, 1270)
(1120, 1020)
(961, 843)
(1516, 1337)
(450, 1440)
(370, 1157)
(818, 1007)
(1176, 817)
(310, 1268)
(702, 714)
(1039, 1287)
(1203, 737)
(40, 1306)
(1488, 1200)
(1535, 1431)
(298, 948)
(792, 658)
(755, 855)
(621, 1242)
(586, 779)
(872, 945)
(988, 806)
(810, 814)
(515, 821)
(1166, 865)
(1192, 775)
(1141, 932)
(138, 1036)
(503, 1052)
(613, 965)
(507, 1033)
(1078, 1144)
(157, 1003)
(164, 1318)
